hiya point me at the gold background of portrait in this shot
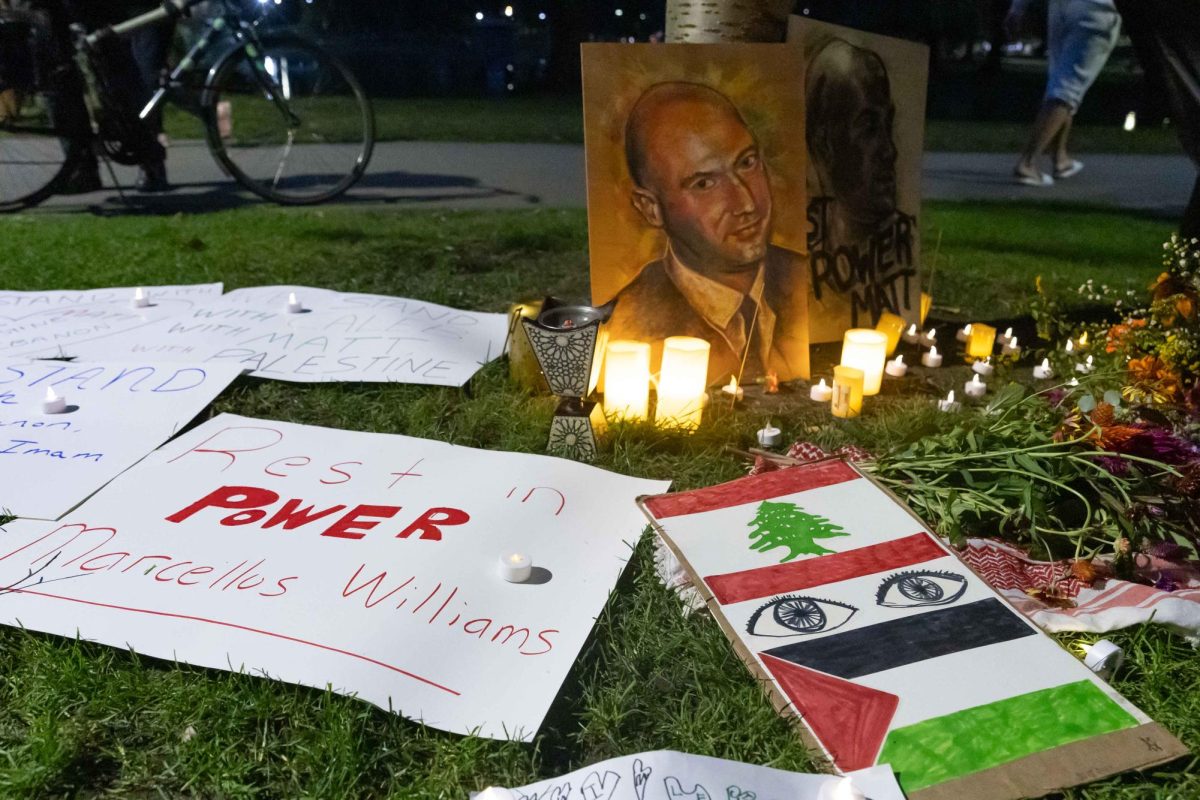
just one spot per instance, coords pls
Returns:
(766, 84)
(907, 66)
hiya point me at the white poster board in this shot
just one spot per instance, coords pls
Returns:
(370, 565)
(114, 415)
(53, 324)
(670, 775)
(337, 336)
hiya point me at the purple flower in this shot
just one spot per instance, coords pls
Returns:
(1168, 551)
(1160, 444)
(1114, 464)
(1165, 583)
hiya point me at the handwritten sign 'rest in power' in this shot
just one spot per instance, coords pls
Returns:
(366, 562)
(334, 337)
(114, 414)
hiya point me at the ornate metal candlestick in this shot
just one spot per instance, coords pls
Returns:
(565, 339)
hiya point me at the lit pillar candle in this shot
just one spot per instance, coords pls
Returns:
(53, 404)
(982, 340)
(896, 367)
(682, 381)
(891, 326)
(866, 349)
(821, 392)
(975, 388)
(294, 306)
(964, 333)
(1011, 348)
(912, 335)
(515, 567)
(847, 391)
(627, 379)
(140, 298)
(932, 359)
(1043, 371)
(949, 404)
(984, 367)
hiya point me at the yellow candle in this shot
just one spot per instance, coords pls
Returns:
(893, 327)
(866, 349)
(681, 382)
(627, 379)
(847, 391)
(982, 340)
(926, 304)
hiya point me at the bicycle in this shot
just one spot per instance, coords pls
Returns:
(282, 116)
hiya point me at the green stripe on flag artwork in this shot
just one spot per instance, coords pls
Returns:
(958, 744)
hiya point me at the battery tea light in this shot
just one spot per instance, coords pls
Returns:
(932, 359)
(866, 349)
(1043, 371)
(949, 404)
(1086, 367)
(140, 298)
(984, 367)
(964, 332)
(896, 367)
(975, 388)
(515, 567)
(912, 336)
(294, 306)
(54, 403)
(929, 338)
(821, 393)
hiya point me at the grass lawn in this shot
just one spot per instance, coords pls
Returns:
(560, 119)
(79, 719)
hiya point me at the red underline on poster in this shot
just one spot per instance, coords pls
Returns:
(248, 629)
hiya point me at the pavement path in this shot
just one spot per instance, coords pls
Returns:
(406, 175)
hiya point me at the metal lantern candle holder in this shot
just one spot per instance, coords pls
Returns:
(566, 339)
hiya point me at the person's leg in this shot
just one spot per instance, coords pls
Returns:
(1062, 158)
(1051, 119)
(149, 47)
(1050, 115)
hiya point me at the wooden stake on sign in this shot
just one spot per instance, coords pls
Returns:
(708, 21)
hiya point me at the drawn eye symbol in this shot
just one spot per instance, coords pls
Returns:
(794, 615)
(915, 589)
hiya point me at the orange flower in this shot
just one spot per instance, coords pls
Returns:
(1116, 336)
(1153, 370)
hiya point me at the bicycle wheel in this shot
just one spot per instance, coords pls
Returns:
(35, 154)
(289, 121)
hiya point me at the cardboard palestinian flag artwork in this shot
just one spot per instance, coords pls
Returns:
(870, 631)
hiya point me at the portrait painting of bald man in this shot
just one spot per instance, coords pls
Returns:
(696, 200)
(865, 105)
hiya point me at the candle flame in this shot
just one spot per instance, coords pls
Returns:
(292, 299)
(50, 395)
(1012, 343)
(1008, 333)
(950, 397)
(1083, 340)
(1070, 346)
(968, 328)
(733, 386)
(823, 383)
(899, 359)
(515, 558)
(139, 294)
(932, 334)
(933, 350)
(912, 330)
(976, 378)
(1089, 361)
(1045, 363)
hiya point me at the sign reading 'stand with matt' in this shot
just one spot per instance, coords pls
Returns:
(888, 648)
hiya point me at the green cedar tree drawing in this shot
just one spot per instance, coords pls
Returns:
(788, 525)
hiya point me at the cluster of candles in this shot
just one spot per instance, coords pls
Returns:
(141, 299)
(681, 383)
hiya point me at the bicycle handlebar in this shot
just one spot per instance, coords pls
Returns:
(168, 9)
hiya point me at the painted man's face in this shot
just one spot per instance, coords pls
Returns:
(712, 189)
(862, 163)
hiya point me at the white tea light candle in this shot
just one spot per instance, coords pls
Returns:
(1043, 371)
(822, 392)
(984, 367)
(294, 306)
(929, 338)
(732, 389)
(53, 404)
(975, 388)
(932, 359)
(911, 335)
(1086, 367)
(1005, 337)
(949, 404)
(964, 333)
(140, 298)
(770, 436)
(896, 367)
(1011, 348)
(515, 567)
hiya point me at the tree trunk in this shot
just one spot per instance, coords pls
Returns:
(727, 20)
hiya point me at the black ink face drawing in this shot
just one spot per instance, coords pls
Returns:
(794, 615)
(920, 588)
